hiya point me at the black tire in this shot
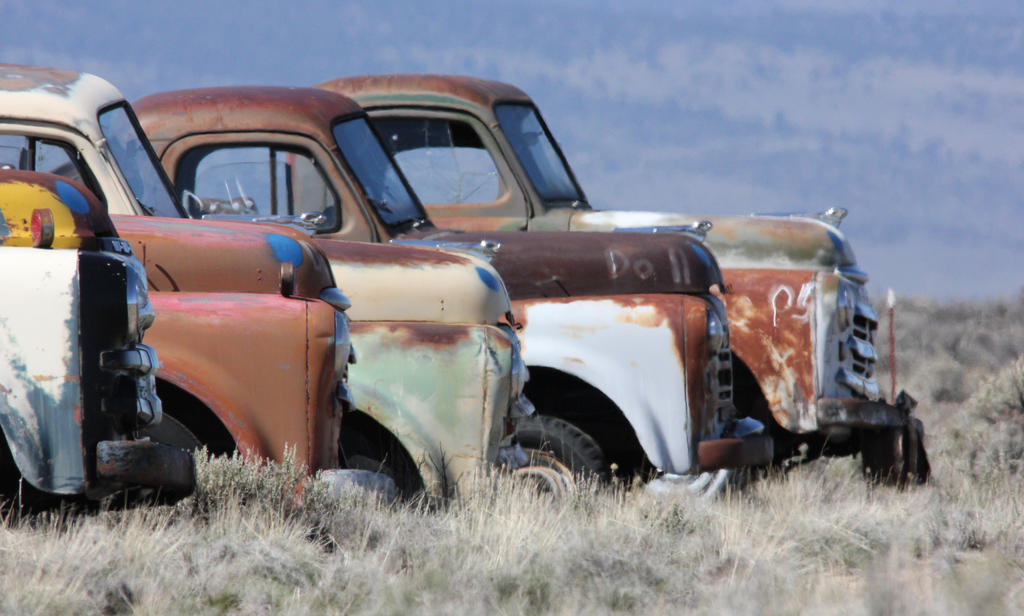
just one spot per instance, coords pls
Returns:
(170, 431)
(881, 454)
(895, 455)
(571, 446)
(381, 454)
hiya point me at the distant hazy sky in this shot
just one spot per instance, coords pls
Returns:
(911, 117)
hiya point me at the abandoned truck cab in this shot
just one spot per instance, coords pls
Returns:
(626, 343)
(481, 157)
(76, 382)
(253, 343)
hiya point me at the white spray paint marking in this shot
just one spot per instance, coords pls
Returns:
(803, 300)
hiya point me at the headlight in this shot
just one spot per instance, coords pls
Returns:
(718, 334)
(845, 301)
(521, 406)
(140, 309)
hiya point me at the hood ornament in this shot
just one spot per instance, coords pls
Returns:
(833, 216)
(484, 249)
(697, 230)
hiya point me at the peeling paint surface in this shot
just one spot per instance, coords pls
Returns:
(217, 256)
(40, 366)
(443, 390)
(56, 95)
(767, 242)
(631, 353)
(437, 285)
(235, 353)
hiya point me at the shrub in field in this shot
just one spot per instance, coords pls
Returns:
(996, 444)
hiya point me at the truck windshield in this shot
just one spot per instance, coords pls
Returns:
(137, 163)
(537, 153)
(381, 180)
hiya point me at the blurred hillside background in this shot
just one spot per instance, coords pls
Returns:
(910, 117)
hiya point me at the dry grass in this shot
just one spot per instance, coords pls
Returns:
(817, 539)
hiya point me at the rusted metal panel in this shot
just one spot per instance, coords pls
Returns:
(742, 242)
(858, 413)
(237, 353)
(215, 256)
(442, 389)
(450, 287)
(59, 96)
(735, 452)
(566, 264)
(146, 463)
(426, 90)
(286, 110)
(772, 323)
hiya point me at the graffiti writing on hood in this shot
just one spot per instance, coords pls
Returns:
(620, 264)
(792, 300)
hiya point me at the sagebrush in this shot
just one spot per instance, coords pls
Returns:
(255, 539)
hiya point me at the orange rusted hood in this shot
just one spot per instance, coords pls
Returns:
(564, 264)
(228, 257)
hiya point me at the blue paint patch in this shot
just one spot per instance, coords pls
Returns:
(838, 243)
(75, 200)
(488, 278)
(703, 255)
(285, 249)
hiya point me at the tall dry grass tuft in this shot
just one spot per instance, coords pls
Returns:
(816, 539)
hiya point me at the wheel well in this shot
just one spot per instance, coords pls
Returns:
(751, 402)
(368, 436)
(558, 394)
(196, 416)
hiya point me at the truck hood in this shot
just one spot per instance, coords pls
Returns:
(389, 282)
(226, 257)
(564, 264)
(77, 217)
(755, 241)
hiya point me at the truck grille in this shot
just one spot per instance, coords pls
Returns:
(720, 369)
(857, 352)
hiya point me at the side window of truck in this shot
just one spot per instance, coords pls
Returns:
(35, 154)
(444, 160)
(256, 180)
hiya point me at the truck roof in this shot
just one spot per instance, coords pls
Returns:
(241, 108)
(55, 95)
(404, 89)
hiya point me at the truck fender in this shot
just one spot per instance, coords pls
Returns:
(40, 368)
(637, 366)
(404, 425)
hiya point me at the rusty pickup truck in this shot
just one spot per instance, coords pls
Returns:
(253, 343)
(803, 330)
(626, 343)
(76, 382)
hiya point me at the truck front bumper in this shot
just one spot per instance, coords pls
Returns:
(860, 413)
(147, 464)
(752, 450)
